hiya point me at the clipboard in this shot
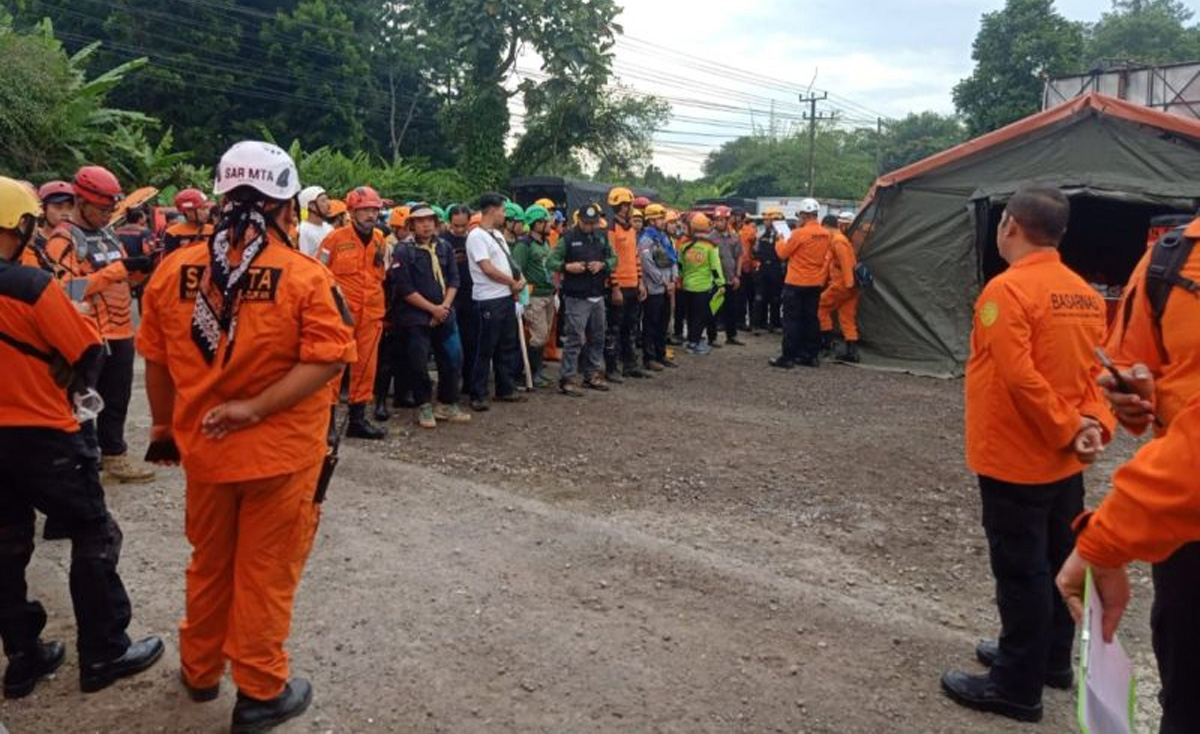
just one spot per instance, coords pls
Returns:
(1107, 688)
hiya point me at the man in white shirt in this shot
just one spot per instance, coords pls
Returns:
(314, 229)
(496, 283)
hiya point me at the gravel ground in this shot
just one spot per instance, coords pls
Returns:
(725, 547)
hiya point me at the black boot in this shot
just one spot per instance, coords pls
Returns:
(139, 656)
(25, 669)
(253, 715)
(850, 356)
(979, 692)
(827, 343)
(359, 427)
(382, 414)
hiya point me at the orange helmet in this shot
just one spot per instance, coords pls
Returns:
(672, 216)
(363, 197)
(337, 208)
(189, 200)
(97, 185)
(700, 222)
(399, 217)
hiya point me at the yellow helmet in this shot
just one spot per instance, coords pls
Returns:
(17, 201)
(548, 203)
(636, 213)
(655, 211)
(772, 213)
(620, 195)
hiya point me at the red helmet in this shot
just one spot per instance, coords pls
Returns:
(363, 197)
(722, 212)
(190, 200)
(53, 192)
(641, 202)
(96, 185)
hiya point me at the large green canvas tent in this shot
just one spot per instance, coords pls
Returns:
(927, 231)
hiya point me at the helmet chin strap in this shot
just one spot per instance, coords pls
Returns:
(25, 230)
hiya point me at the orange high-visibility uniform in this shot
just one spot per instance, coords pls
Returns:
(1032, 373)
(360, 271)
(749, 235)
(250, 511)
(623, 240)
(185, 234)
(842, 293)
(807, 255)
(1153, 507)
(106, 287)
(1133, 337)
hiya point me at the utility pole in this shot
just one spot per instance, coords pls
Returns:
(812, 118)
(879, 146)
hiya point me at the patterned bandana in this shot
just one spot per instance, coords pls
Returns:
(220, 294)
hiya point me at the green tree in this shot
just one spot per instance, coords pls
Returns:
(918, 136)
(1144, 31)
(1016, 49)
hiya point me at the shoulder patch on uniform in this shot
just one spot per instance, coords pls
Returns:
(989, 313)
(23, 283)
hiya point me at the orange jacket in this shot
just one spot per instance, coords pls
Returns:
(1132, 337)
(360, 270)
(1032, 373)
(289, 314)
(106, 287)
(1153, 507)
(807, 255)
(841, 262)
(183, 234)
(628, 272)
(37, 312)
(749, 235)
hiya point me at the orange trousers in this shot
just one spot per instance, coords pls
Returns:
(249, 544)
(845, 302)
(362, 371)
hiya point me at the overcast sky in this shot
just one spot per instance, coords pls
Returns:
(875, 57)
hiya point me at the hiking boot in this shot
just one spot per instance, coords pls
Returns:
(654, 366)
(850, 356)
(480, 405)
(25, 669)
(124, 471)
(808, 362)
(782, 363)
(979, 692)
(614, 377)
(596, 382)
(360, 427)
(514, 398)
(425, 417)
(826, 343)
(382, 414)
(541, 382)
(669, 364)
(137, 657)
(198, 694)
(253, 715)
(450, 414)
(571, 389)
(635, 372)
(987, 651)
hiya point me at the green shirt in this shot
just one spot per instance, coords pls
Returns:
(532, 257)
(700, 265)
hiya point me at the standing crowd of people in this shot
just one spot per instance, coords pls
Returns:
(263, 311)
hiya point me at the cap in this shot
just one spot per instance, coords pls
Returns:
(421, 210)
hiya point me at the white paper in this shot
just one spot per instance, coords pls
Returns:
(1107, 682)
(782, 228)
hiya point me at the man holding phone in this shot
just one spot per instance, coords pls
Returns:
(1034, 417)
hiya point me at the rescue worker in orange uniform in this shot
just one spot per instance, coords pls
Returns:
(626, 292)
(241, 339)
(357, 255)
(1034, 417)
(58, 202)
(841, 294)
(807, 255)
(89, 260)
(747, 266)
(1159, 357)
(50, 352)
(195, 227)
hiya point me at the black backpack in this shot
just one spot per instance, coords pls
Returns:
(1164, 274)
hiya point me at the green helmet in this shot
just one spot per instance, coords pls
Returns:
(513, 210)
(536, 213)
(441, 213)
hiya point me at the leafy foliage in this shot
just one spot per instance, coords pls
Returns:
(918, 136)
(1144, 31)
(339, 173)
(1016, 49)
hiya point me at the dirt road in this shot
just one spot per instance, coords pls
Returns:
(723, 548)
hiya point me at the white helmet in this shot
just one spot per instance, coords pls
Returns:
(264, 167)
(846, 216)
(809, 206)
(309, 195)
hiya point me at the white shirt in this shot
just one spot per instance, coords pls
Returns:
(485, 245)
(311, 236)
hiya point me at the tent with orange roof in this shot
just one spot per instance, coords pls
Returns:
(927, 231)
